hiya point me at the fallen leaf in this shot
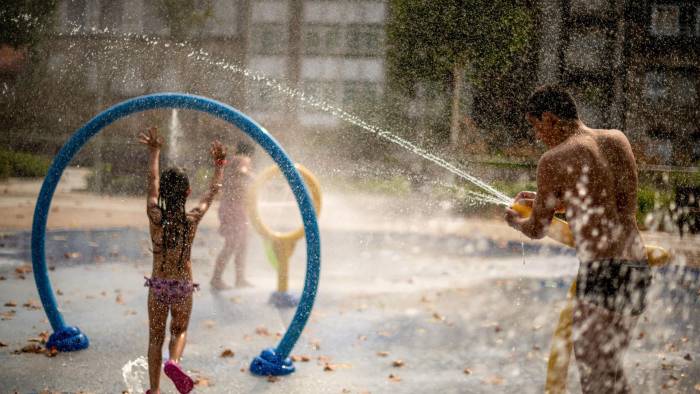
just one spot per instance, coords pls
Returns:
(59, 292)
(2, 344)
(209, 323)
(23, 269)
(272, 379)
(32, 304)
(467, 371)
(383, 354)
(688, 357)
(11, 304)
(398, 363)
(328, 367)
(394, 378)
(7, 315)
(438, 316)
(494, 380)
(42, 338)
(262, 331)
(671, 382)
(51, 352)
(202, 381)
(119, 299)
(71, 255)
(227, 353)
(32, 348)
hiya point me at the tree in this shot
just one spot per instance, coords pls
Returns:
(24, 21)
(456, 42)
(183, 16)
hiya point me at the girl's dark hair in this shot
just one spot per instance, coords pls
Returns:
(171, 201)
(554, 99)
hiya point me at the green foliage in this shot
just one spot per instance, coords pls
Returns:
(183, 16)
(427, 38)
(17, 164)
(23, 21)
(103, 179)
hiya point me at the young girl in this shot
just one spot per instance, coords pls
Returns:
(172, 231)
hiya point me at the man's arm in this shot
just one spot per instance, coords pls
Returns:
(546, 201)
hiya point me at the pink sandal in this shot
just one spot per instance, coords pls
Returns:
(183, 383)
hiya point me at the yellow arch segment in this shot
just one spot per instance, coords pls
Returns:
(562, 345)
(252, 203)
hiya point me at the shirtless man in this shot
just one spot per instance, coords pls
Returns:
(591, 175)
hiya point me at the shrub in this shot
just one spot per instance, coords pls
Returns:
(18, 164)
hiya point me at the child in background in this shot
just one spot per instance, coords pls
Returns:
(172, 231)
(233, 217)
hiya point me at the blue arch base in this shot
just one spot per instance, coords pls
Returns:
(282, 299)
(69, 338)
(269, 363)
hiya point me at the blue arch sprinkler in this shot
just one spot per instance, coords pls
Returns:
(272, 361)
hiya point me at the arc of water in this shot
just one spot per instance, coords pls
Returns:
(272, 83)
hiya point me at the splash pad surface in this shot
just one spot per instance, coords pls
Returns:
(68, 338)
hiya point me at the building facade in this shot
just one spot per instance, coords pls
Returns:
(631, 65)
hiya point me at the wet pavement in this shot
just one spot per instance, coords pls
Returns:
(399, 312)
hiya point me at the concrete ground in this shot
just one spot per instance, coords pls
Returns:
(410, 300)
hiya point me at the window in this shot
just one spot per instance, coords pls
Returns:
(269, 38)
(312, 42)
(672, 87)
(332, 40)
(655, 85)
(665, 20)
(357, 93)
(111, 17)
(363, 40)
(76, 13)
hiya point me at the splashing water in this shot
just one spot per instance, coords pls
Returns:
(491, 194)
(174, 138)
(135, 374)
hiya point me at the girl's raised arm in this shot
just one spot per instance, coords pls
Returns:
(151, 139)
(218, 153)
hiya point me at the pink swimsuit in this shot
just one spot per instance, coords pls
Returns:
(170, 291)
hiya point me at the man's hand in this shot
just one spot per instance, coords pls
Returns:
(514, 219)
(151, 138)
(526, 198)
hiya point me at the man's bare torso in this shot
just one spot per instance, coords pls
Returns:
(593, 175)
